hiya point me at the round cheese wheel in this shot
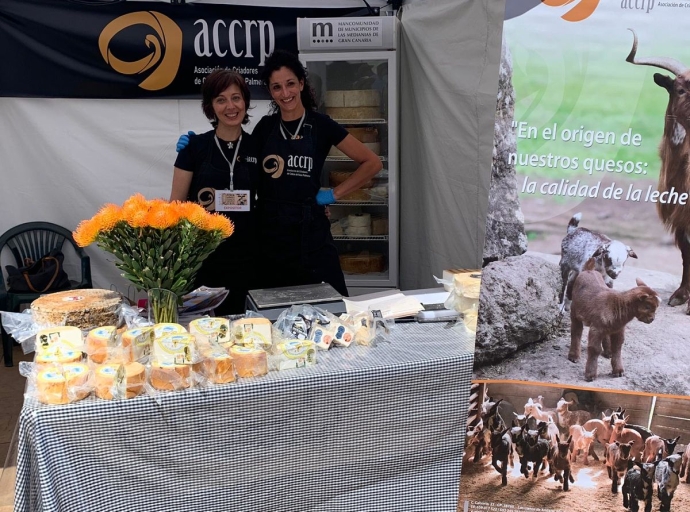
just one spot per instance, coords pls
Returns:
(161, 330)
(59, 356)
(356, 98)
(374, 146)
(218, 366)
(359, 220)
(356, 231)
(249, 362)
(354, 112)
(62, 385)
(133, 382)
(362, 263)
(364, 134)
(335, 178)
(136, 343)
(97, 343)
(357, 196)
(170, 377)
(85, 309)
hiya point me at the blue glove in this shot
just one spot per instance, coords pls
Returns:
(183, 141)
(324, 197)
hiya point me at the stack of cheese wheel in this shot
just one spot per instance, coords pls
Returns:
(335, 178)
(358, 224)
(218, 366)
(85, 309)
(249, 361)
(362, 263)
(119, 380)
(98, 341)
(170, 376)
(360, 104)
(62, 384)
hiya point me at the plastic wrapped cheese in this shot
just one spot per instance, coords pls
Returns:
(469, 320)
(97, 342)
(252, 332)
(291, 354)
(249, 362)
(215, 329)
(119, 380)
(178, 348)
(170, 376)
(49, 340)
(160, 330)
(322, 336)
(343, 334)
(137, 343)
(217, 365)
(58, 356)
(62, 384)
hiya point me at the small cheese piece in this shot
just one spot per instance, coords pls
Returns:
(365, 330)
(249, 362)
(360, 196)
(218, 366)
(59, 356)
(467, 288)
(62, 385)
(335, 178)
(170, 377)
(322, 336)
(48, 340)
(217, 330)
(137, 343)
(160, 330)
(252, 332)
(294, 354)
(178, 348)
(354, 112)
(119, 380)
(343, 335)
(97, 342)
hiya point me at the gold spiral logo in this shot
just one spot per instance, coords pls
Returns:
(165, 46)
(207, 198)
(274, 165)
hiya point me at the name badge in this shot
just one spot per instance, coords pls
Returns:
(232, 200)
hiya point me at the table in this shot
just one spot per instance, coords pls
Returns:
(365, 429)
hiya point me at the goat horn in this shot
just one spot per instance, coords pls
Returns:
(674, 66)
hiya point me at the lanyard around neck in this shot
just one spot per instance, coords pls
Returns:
(234, 158)
(284, 129)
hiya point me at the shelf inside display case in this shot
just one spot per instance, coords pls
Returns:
(383, 202)
(347, 159)
(368, 238)
(360, 122)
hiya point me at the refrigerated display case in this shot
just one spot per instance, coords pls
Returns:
(353, 68)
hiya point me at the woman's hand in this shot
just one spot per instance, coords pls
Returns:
(183, 141)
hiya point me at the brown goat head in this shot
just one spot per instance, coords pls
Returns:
(646, 302)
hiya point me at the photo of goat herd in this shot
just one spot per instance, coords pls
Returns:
(575, 450)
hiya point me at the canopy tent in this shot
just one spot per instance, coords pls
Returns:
(63, 158)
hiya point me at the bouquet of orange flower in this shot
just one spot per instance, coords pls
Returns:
(159, 244)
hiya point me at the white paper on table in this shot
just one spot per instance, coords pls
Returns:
(391, 303)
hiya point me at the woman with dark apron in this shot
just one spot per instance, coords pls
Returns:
(218, 169)
(297, 246)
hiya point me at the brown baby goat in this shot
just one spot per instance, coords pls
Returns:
(606, 312)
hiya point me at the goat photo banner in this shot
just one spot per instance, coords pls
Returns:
(584, 298)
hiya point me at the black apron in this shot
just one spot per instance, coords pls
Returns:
(232, 264)
(297, 244)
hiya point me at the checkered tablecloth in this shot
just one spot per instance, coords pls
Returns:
(364, 430)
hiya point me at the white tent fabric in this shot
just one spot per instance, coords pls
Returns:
(61, 159)
(451, 50)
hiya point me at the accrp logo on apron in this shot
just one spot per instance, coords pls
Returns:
(274, 165)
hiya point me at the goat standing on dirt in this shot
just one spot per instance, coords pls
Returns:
(561, 463)
(639, 486)
(501, 451)
(606, 312)
(674, 151)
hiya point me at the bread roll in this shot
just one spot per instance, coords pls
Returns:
(170, 377)
(249, 362)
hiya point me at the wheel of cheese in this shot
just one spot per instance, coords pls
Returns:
(170, 377)
(363, 231)
(218, 366)
(360, 195)
(374, 146)
(362, 263)
(364, 134)
(249, 362)
(178, 348)
(49, 340)
(335, 178)
(357, 98)
(137, 344)
(59, 356)
(358, 220)
(85, 309)
(354, 113)
(97, 341)
(132, 384)
(62, 385)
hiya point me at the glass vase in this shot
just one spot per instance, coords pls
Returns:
(162, 306)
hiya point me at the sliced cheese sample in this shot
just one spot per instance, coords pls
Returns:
(252, 332)
(62, 385)
(49, 340)
(170, 377)
(178, 348)
(249, 362)
(85, 309)
(215, 329)
(137, 343)
(291, 354)
(97, 342)
(119, 380)
(218, 366)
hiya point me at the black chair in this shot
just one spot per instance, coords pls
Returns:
(34, 240)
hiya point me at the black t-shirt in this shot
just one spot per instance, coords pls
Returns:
(212, 172)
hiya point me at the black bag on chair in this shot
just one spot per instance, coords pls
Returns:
(41, 276)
